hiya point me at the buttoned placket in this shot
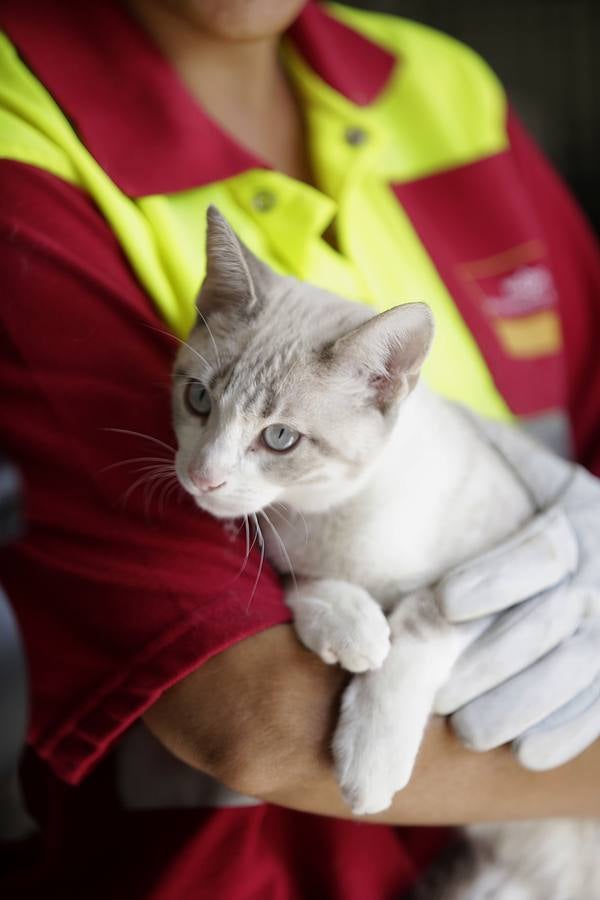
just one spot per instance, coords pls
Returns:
(346, 144)
(293, 216)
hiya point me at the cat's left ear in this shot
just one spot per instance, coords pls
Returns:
(387, 352)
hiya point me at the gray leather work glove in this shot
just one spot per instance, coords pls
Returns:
(532, 677)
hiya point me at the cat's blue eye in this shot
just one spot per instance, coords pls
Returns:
(279, 437)
(197, 398)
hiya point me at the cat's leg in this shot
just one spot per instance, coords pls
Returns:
(384, 713)
(340, 622)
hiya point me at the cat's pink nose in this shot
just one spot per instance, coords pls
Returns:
(205, 484)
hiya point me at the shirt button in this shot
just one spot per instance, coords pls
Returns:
(263, 201)
(356, 136)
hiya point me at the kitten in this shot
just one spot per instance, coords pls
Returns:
(288, 394)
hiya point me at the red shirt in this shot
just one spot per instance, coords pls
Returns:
(116, 605)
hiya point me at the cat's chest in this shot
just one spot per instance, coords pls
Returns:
(367, 544)
(398, 537)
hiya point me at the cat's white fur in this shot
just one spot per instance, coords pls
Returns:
(427, 494)
(416, 517)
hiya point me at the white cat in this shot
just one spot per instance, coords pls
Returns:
(289, 394)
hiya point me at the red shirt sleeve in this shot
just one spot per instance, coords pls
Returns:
(575, 258)
(120, 590)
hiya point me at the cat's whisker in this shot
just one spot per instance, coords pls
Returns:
(305, 524)
(167, 489)
(261, 543)
(132, 487)
(147, 478)
(149, 488)
(253, 542)
(179, 340)
(247, 529)
(249, 546)
(241, 525)
(160, 500)
(154, 484)
(277, 507)
(211, 336)
(245, 524)
(283, 547)
(254, 539)
(162, 466)
(156, 469)
(138, 459)
(147, 437)
(229, 525)
(274, 507)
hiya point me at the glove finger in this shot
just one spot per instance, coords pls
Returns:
(514, 641)
(510, 709)
(536, 558)
(563, 735)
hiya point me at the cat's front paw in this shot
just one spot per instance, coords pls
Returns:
(379, 732)
(364, 750)
(341, 623)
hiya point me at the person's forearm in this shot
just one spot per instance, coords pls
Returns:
(454, 786)
(260, 715)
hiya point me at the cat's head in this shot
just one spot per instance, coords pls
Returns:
(285, 392)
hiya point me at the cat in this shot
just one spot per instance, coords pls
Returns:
(286, 393)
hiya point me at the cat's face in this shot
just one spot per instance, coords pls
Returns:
(285, 393)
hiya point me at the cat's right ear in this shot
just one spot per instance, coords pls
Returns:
(235, 279)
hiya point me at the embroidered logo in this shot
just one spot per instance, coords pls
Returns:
(516, 292)
(528, 289)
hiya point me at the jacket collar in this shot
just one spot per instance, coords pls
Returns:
(131, 110)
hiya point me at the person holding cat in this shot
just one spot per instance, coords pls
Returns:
(373, 157)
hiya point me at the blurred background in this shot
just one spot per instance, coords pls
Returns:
(547, 54)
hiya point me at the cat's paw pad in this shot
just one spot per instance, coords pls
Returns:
(370, 760)
(353, 631)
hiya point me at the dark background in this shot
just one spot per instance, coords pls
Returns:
(547, 53)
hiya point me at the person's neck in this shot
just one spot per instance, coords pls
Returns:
(241, 85)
